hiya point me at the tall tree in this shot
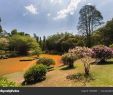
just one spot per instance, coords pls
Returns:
(44, 43)
(40, 42)
(36, 37)
(89, 19)
(0, 26)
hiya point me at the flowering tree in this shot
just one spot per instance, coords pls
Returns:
(85, 55)
(102, 53)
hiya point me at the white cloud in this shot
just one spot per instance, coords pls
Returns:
(70, 10)
(32, 9)
(56, 1)
(89, 3)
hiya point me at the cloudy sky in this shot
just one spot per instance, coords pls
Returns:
(46, 17)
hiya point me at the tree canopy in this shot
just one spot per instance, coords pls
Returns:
(22, 44)
(89, 19)
(62, 42)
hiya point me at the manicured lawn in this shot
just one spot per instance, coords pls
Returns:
(102, 74)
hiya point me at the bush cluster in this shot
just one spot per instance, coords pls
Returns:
(35, 74)
(46, 61)
(68, 59)
(5, 83)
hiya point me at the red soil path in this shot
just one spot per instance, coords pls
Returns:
(13, 65)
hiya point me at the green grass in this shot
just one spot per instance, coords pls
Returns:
(102, 75)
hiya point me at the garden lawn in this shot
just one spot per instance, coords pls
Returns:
(102, 75)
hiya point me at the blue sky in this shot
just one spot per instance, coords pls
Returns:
(46, 17)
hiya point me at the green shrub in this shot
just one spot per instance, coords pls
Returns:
(36, 52)
(68, 59)
(5, 83)
(35, 74)
(22, 44)
(111, 46)
(12, 54)
(3, 57)
(46, 61)
(27, 59)
(2, 52)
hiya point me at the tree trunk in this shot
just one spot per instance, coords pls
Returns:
(87, 71)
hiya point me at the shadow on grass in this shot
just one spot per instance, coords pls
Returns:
(61, 65)
(50, 68)
(24, 83)
(81, 78)
(67, 68)
(105, 63)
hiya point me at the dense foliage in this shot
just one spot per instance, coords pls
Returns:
(22, 44)
(102, 53)
(5, 83)
(46, 61)
(104, 35)
(4, 43)
(68, 59)
(61, 43)
(111, 46)
(35, 74)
